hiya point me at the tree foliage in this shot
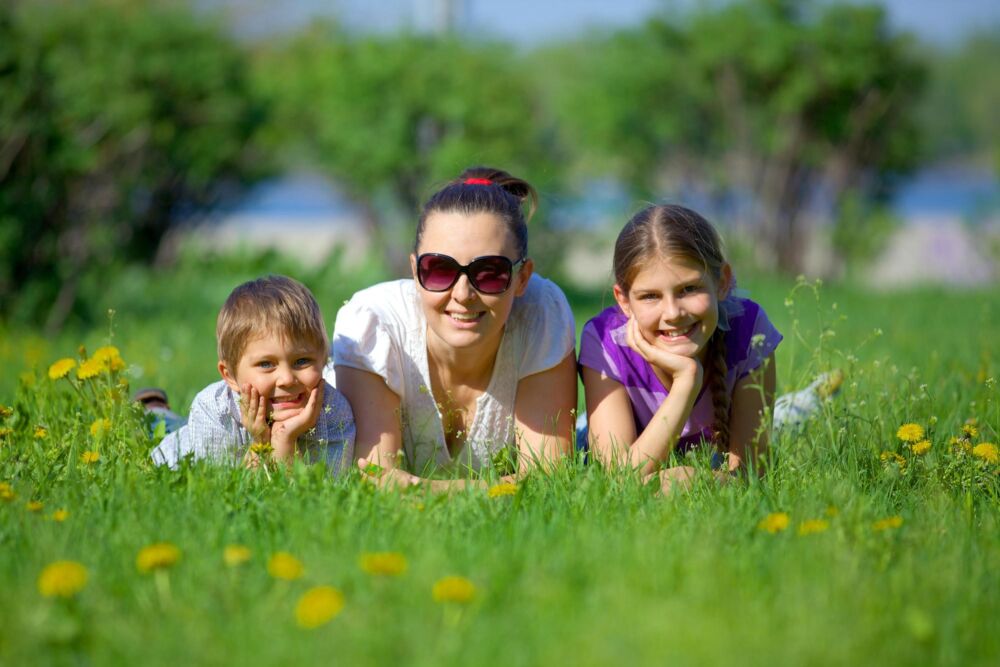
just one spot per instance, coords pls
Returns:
(390, 117)
(772, 101)
(115, 115)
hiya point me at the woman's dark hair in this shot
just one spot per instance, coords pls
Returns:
(668, 230)
(485, 190)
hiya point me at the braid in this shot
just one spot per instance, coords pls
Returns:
(721, 400)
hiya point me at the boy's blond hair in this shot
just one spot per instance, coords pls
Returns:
(270, 305)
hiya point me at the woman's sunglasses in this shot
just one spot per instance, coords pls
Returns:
(490, 274)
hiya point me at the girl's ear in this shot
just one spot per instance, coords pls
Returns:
(725, 281)
(522, 277)
(228, 376)
(622, 298)
(413, 267)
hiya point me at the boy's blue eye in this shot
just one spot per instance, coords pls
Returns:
(303, 361)
(264, 364)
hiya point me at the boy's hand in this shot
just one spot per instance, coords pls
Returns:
(253, 411)
(285, 433)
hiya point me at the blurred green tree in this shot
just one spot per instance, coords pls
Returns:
(115, 116)
(771, 100)
(390, 117)
(960, 112)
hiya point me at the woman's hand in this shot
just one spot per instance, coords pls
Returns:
(386, 478)
(667, 365)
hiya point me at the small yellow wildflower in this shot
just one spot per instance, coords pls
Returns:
(235, 554)
(107, 355)
(100, 427)
(812, 526)
(774, 522)
(970, 429)
(383, 563)
(61, 368)
(318, 606)
(886, 524)
(454, 589)
(7, 492)
(502, 489)
(90, 457)
(5, 412)
(987, 451)
(63, 578)
(921, 448)
(41, 432)
(283, 565)
(4, 432)
(910, 432)
(893, 457)
(60, 515)
(34, 506)
(157, 556)
(89, 369)
(832, 511)
(261, 448)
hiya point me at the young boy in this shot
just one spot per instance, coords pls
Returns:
(272, 348)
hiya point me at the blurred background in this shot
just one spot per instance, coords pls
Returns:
(149, 147)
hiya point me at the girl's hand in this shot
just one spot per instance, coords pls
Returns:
(667, 365)
(253, 412)
(285, 433)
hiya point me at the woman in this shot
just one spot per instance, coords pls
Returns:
(473, 358)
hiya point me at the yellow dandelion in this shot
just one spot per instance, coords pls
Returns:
(921, 448)
(383, 563)
(774, 522)
(5, 412)
(89, 369)
(318, 606)
(7, 492)
(987, 451)
(63, 578)
(910, 432)
(831, 511)
(892, 457)
(41, 432)
(106, 354)
(970, 429)
(100, 427)
(502, 489)
(283, 565)
(454, 589)
(61, 368)
(90, 457)
(34, 506)
(157, 556)
(60, 515)
(886, 524)
(813, 526)
(235, 554)
(4, 432)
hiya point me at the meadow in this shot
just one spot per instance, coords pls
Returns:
(873, 539)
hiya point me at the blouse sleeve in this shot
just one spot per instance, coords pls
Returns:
(363, 339)
(546, 325)
(593, 355)
(761, 343)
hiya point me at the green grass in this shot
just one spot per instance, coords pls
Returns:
(584, 566)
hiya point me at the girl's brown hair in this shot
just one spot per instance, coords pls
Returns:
(669, 230)
(485, 190)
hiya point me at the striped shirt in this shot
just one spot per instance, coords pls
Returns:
(215, 431)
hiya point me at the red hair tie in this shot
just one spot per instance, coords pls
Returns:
(477, 181)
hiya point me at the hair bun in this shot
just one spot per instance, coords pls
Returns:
(518, 187)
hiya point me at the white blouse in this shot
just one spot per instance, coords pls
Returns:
(382, 330)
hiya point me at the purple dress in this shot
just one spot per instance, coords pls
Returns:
(750, 339)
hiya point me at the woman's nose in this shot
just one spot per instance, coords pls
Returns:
(462, 290)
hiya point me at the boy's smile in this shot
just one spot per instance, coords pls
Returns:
(283, 371)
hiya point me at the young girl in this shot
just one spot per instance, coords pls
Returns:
(679, 359)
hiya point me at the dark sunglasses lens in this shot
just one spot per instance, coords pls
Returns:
(437, 273)
(490, 275)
